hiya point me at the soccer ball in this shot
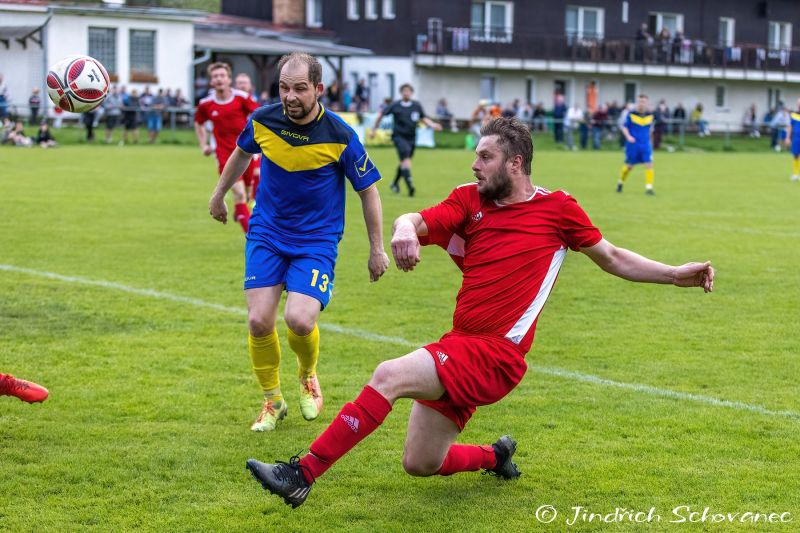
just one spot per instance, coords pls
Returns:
(77, 83)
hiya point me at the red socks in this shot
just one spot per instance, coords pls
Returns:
(241, 214)
(354, 422)
(467, 458)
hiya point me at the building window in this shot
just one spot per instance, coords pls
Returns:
(388, 9)
(721, 97)
(314, 13)
(584, 22)
(352, 10)
(530, 90)
(726, 31)
(672, 21)
(390, 85)
(492, 21)
(625, 12)
(143, 56)
(631, 91)
(370, 9)
(103, 47)
(780, 35)
(488, 88)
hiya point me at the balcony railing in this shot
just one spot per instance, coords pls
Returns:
(504, 43)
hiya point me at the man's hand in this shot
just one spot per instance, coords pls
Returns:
(217, 209)
(206, 149)
(405, 248)
(695, 275)
(378, 264)
(630, 139)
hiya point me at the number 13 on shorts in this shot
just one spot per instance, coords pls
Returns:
(319, 280)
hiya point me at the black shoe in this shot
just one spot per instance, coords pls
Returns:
(411, 190)
(394, 188)
(619, 187)
(282, 479)
(504, 450)
(650, 192)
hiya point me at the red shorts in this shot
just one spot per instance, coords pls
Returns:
(474, 370)
(250, 175)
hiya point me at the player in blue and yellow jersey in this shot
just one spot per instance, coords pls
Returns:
(638, 130)
(793, 141)
(307, 154)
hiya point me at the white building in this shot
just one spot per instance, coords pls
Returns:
(138, 46)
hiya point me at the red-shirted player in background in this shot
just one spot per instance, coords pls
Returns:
(227, 109)
(243, 83)
(509, 237)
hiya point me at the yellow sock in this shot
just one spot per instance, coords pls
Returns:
(265, 355)
(623, 174)
(796, 166)
(307, 350)
(649, 176)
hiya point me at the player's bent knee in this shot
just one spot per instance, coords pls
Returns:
(383, 378)
(419, 467)
(260, 326)
(300, 324)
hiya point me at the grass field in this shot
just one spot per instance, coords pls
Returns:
(637, 396)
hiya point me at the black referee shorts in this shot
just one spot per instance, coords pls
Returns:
(405, 146)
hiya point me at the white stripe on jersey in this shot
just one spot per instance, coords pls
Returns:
(520, 329)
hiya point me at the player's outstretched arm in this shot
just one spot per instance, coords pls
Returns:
(373, 217)
(432, 124)
(405, 240)
(375, 125)
(235, 167)
(633, 267)
(202, 138)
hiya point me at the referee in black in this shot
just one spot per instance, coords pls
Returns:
(406, 113)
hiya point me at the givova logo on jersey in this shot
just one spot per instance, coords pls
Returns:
(364, 165)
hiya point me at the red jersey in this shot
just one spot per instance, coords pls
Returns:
(229, 118)
(510, 256)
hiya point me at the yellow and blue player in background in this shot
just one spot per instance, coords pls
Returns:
(793, 140)
(638, 131)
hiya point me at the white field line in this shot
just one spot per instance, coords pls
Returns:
(368, 335)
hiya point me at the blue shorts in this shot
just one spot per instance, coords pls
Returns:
(154, 122)
(301, 268)
(796, 147)
(638, 153)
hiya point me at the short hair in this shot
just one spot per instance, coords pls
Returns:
(314, 67)
(407, 85)
(219, 65)
(643, 96)
(514, 138)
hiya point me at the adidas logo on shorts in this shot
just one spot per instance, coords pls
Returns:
(350, 421)
(442, 357)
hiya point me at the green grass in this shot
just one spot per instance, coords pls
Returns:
(151, 399)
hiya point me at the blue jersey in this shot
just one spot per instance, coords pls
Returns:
(301, 194)
(794, 120)
(639, 126)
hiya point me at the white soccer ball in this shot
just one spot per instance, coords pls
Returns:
(77, 83)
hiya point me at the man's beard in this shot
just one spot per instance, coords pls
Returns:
(298, 113)
(498, 187)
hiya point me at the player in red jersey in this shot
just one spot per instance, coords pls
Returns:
(27, 391)
(228, 110)
(252, 175)
(509, 237)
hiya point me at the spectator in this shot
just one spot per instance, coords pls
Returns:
(510, 110)
(599, 119)
(154, 120)
(4, 98)
(444, 115)
(263, 98)
(333, 95)
(179, 100)
(664, 41)
(698, 121)
(778, 124)
(34, 105)
(131, 116)
(112, 111)
(679, 115)
(8, 128)
(661, 118)
(750, 122)
(572, 122)
(18, 137)
(583, 129)
(88, 119)
(559, 114)
(479, 117)
(591, 97)
(644, 42)
(362, 96)
(526, 115)
(44, 138)
(539, 115)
